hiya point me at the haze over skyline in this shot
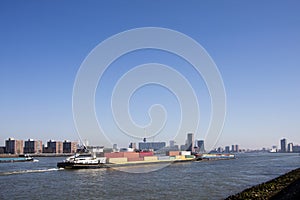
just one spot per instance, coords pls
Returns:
(255, 46)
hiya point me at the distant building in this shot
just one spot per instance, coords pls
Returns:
(237, 148)
(190, 142)
(172, 143)
(220, 150)
(183, 147)
(274, 149)
(13, 146)
(283, 145)
(151, 145)
(200, 144)
(290, 147)
(132, 145)
(115, 147)
(69, 147)
(53, 147)
(232, 148)
(33, 146)
(227, 149)
(2, 150)
(296, 149)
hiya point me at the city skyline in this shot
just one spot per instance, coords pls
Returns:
(284, 145)
(254, 45)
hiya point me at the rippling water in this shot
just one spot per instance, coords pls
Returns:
(195, 180)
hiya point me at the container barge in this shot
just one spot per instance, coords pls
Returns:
(121, 159)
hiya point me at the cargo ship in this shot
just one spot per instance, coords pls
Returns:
(120, 159)
(21, 158)
(215, 156)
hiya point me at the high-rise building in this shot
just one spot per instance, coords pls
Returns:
(151, 145)
(200, 144)
(33, 146)
(172, 143)
(14, 146)
(290, 147)
(296, 148)
(283, 145)
(132, 145)
(227, 149)
(69, 147)
(54, 147)
(220, 150)
(190, 142)
(232, 148)
(237, 148)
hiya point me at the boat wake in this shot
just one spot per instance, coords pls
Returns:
(29, 171)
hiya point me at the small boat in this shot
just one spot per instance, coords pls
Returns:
(215, 156)
(21, 158)
(78, 161)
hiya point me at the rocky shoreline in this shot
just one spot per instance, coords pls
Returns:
(284, 187)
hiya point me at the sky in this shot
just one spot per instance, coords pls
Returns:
(254, 44)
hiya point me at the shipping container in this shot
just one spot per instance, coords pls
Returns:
(180, 157)
(172, 157)
(131, 155)
(189, 156)
(114, 155)
(185, 153)
(135, 159)
(150, 158)
(163, 157)
(117, 160)
(148, 153)
(173, 153)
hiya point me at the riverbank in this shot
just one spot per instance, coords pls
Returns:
(286, 186)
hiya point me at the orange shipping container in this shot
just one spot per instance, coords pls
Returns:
(114, 155)
(173, 153)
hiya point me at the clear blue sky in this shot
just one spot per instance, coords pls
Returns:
(256, 46)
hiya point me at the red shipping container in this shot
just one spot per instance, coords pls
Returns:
(149, 153)
(114, 155)
(131, 155)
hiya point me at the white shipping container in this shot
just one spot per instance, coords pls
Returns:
(185, 153)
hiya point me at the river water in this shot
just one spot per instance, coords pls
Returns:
(193, 180)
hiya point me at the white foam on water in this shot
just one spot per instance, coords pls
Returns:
(30, 171)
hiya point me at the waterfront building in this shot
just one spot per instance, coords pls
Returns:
(296, 149)
(290, 147)
(115, 147)
(33, 146)
(232, 148)
(151, 145)
(237, 149)
(2, 150)
(227, 149)
(283, 145)
(53, 147)
(172, 143)
(220, 150)
(132, 145)
(200, 144)
(13, 146)
(190, 142)
(274, 149)
(183, 147)
(69, 147)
